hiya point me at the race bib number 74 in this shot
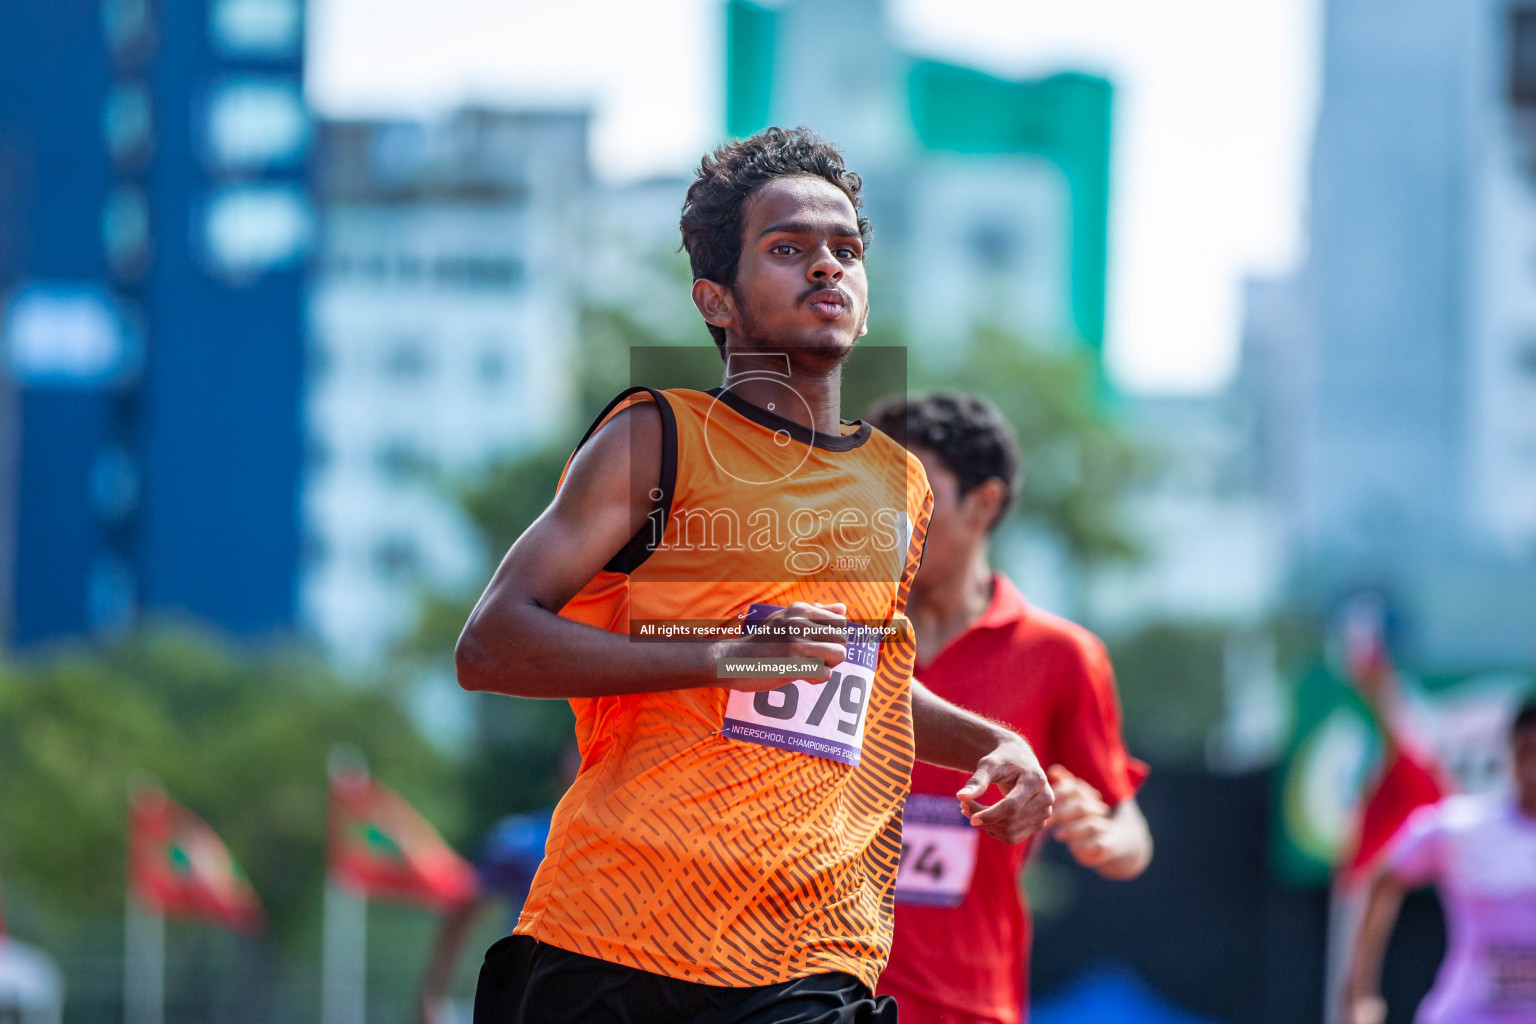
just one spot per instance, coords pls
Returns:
(938, 852)
(824, 719)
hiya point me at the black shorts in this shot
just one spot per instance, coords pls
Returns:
(524, 981)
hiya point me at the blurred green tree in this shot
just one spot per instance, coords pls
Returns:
(1170, 677)
(1078, 465)
(241, 737)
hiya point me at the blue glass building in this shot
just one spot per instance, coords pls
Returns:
(153, 224)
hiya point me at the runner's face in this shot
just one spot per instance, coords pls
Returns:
(800, 283)
(952, 536)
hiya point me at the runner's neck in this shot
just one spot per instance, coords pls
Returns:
(821, 390)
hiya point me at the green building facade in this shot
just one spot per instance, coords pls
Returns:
(944, 115)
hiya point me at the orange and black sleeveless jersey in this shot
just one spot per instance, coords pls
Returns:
(706, 837)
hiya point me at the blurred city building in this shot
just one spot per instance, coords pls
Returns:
(1380, 432)
(1209, 533)
(444, 320)
(153, 221)
(1209, 513)
(1210, 523)
(1393, 383)
(1409, 455)
(10, 449)
(993, 193)
(634, 260)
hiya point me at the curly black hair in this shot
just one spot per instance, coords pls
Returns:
(968, 434)
(712, 212)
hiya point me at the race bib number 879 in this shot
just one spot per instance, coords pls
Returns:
(824, 719)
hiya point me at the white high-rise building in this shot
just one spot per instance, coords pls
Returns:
(1210, 536)
(1415, 428)
(443, 321)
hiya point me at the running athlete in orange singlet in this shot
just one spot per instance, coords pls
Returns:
(728, 850)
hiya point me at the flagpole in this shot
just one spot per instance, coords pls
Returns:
(344, 970)
(1346, 907)
(345, 973)
(143, 965)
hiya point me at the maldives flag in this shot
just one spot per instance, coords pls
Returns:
(382, 849)
(1408, 777)
(179, 867)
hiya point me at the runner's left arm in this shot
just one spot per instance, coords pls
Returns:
(952, 737)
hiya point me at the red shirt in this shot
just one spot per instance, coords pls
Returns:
(1050, 680)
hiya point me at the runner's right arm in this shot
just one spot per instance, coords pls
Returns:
(952, 737)
(515, 641)
(452, 931)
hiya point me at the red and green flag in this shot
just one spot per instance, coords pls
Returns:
(383, 850)
(179, 867)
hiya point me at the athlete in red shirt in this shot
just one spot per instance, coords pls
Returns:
(961, 946)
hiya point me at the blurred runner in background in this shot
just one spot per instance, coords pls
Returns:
(961, 947)
(1479, 852)
(509, 855)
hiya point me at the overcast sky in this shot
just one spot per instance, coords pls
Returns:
(1213, 117)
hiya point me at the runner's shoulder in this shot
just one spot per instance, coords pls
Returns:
(1060, 631)
(1048, 632)
(625, 446)
(1466, 812)
(639, 418)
